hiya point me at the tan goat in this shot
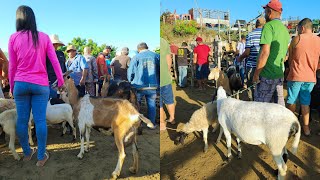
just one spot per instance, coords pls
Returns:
(119, 114)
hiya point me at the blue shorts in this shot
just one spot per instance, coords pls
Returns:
(301, 91)
(166, 95)
(202, 71)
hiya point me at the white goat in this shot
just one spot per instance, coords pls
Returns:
(60, 113)
(256, 123)
(200, 120)
(8, 121)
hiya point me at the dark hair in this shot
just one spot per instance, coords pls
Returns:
(243, 36)
(184, 44)
(142, 45)
(306, 22)
(26, 21)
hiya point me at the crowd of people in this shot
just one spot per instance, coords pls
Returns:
(35, 64)
(260, 60)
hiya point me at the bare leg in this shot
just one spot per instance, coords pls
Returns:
(305, 110)
(292, 107)
(171, 110)
(162, 119)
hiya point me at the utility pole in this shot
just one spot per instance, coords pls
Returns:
(239, 27)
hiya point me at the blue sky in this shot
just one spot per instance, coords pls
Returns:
(118, 23)
(246, 9)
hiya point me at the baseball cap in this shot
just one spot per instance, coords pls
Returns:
(275, 5)
(199, 39)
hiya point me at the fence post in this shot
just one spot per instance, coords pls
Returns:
(192, 69)
(174, 68)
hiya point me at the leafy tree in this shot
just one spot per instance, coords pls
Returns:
(80, 44)
(183, 28)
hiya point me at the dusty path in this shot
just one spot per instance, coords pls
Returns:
(189, 162)
(99, 163)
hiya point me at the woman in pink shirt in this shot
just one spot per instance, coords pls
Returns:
(28, 78)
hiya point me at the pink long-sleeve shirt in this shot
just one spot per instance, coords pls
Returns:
(27, 63)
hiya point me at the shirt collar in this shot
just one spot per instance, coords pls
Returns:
(143, 50)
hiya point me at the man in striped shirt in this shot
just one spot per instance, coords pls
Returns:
(251, 53)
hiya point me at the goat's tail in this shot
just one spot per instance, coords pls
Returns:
(221, 94)
(296, 131)
(146, 120)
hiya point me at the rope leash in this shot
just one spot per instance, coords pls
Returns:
(239, 92)
(172, 129)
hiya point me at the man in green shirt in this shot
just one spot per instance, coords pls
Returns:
(274, 46)
(166, 94)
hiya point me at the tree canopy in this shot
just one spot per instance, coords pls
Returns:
(80, 43)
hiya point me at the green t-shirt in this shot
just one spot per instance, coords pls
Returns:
(165, 77)
(277, 36)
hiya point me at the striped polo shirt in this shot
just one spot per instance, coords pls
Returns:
(253, 42)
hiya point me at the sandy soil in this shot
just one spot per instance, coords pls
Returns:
(188, 161)
(99, 163)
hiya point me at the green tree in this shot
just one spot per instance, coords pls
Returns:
(80, 44)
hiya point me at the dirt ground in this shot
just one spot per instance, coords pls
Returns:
(188, 161)
(99, 163)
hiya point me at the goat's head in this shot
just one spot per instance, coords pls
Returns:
(65, 93)
(214, 74)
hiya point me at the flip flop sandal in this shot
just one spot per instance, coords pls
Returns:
(42, 162)
(28, 158)
(173, 122)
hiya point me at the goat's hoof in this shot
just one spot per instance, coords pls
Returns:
(239, 155)
(133, 170)
(115, 175)
(205, 149)
(229, 158)
(74, 139)
(17, 158)
(86, 150)
(80, 156)
(61, 135)
(285, 158)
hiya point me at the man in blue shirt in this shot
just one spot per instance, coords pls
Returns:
(251, 53)
(78, 64)
(144, 75)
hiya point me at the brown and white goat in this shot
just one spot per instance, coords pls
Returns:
(119, 114)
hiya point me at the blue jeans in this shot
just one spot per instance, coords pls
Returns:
(150, 96)
(183, 70)
(27, 96)
(53, 93)
(242, 75)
